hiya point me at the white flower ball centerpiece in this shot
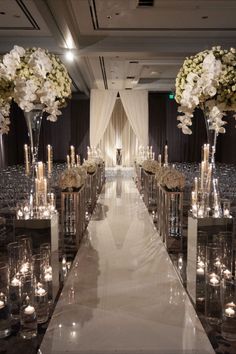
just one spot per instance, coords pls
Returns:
(90, 166)
(72, 179)
(207, 80)
(151, 166)
(31, 77)
(37, 81)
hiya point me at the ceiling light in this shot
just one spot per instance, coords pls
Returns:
(154, 72)
(69, 55)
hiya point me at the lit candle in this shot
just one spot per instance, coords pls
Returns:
(45, 190)
(2, 304)
(194, 199)
(159, 159)
(153, 155)
(166, 155)
(200, 212)
(72, 154)
(229, 312)
(200, 271)
(77, 160)
(226, 213)
(49, 159)
(24, 268)
(202, 173)
(214, 279)
(227, 274)
(15, 282)
(40, 292)
(40, 170)
(29, 310)
(201, 264)
(196, 185)
(204, 152)
(26, 159)
(37, 191)
(207, 152)
(68, 161)
(48, 277)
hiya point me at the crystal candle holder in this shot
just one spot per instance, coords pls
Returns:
(213, 299)
(15, 297)
(28, 320)
(226, 208)
(228, 326)
(5, 325)
(41, 303)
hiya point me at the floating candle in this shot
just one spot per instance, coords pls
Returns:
(40, 292)
(230, 312)
(29, 310)
(214, 280)
(200, 271)
(48, 277)
(15, 282)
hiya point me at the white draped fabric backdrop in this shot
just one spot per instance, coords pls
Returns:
(118, 123)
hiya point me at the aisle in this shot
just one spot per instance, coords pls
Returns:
(123, 295)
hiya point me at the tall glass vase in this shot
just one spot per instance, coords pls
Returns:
(33, 121)
(212, 136)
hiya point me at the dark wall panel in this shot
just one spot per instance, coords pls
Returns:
(163, 127)
(72, 127)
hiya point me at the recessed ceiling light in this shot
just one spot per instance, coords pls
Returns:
(117, 13)
(204, 17)
(2, 13)
(109, 17)
(69, 55)
(154, 72)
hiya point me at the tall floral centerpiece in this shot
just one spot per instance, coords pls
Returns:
(207, 80)
(38, 82)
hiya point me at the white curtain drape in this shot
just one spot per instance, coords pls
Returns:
(101, 106)
(119, 135)
(136, 107)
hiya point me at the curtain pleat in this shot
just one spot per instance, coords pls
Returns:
(119, 135)
(101, 106)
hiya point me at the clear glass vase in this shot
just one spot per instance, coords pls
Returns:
(212, 136)
(33, 121)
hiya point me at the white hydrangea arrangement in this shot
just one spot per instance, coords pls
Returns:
(151, 166)
(90, 166)
(31, 77)
(171, 179)
(207, 80)
(70, 179)
(98, 160)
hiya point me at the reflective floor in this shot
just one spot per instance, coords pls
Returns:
(123, 295)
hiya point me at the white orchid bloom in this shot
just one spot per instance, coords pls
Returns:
(40, 63)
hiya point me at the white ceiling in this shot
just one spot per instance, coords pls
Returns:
(119, 44)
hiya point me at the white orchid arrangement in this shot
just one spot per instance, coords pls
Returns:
(31, 77)
(207, 80)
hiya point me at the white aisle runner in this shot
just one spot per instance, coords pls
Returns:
(123, 295)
